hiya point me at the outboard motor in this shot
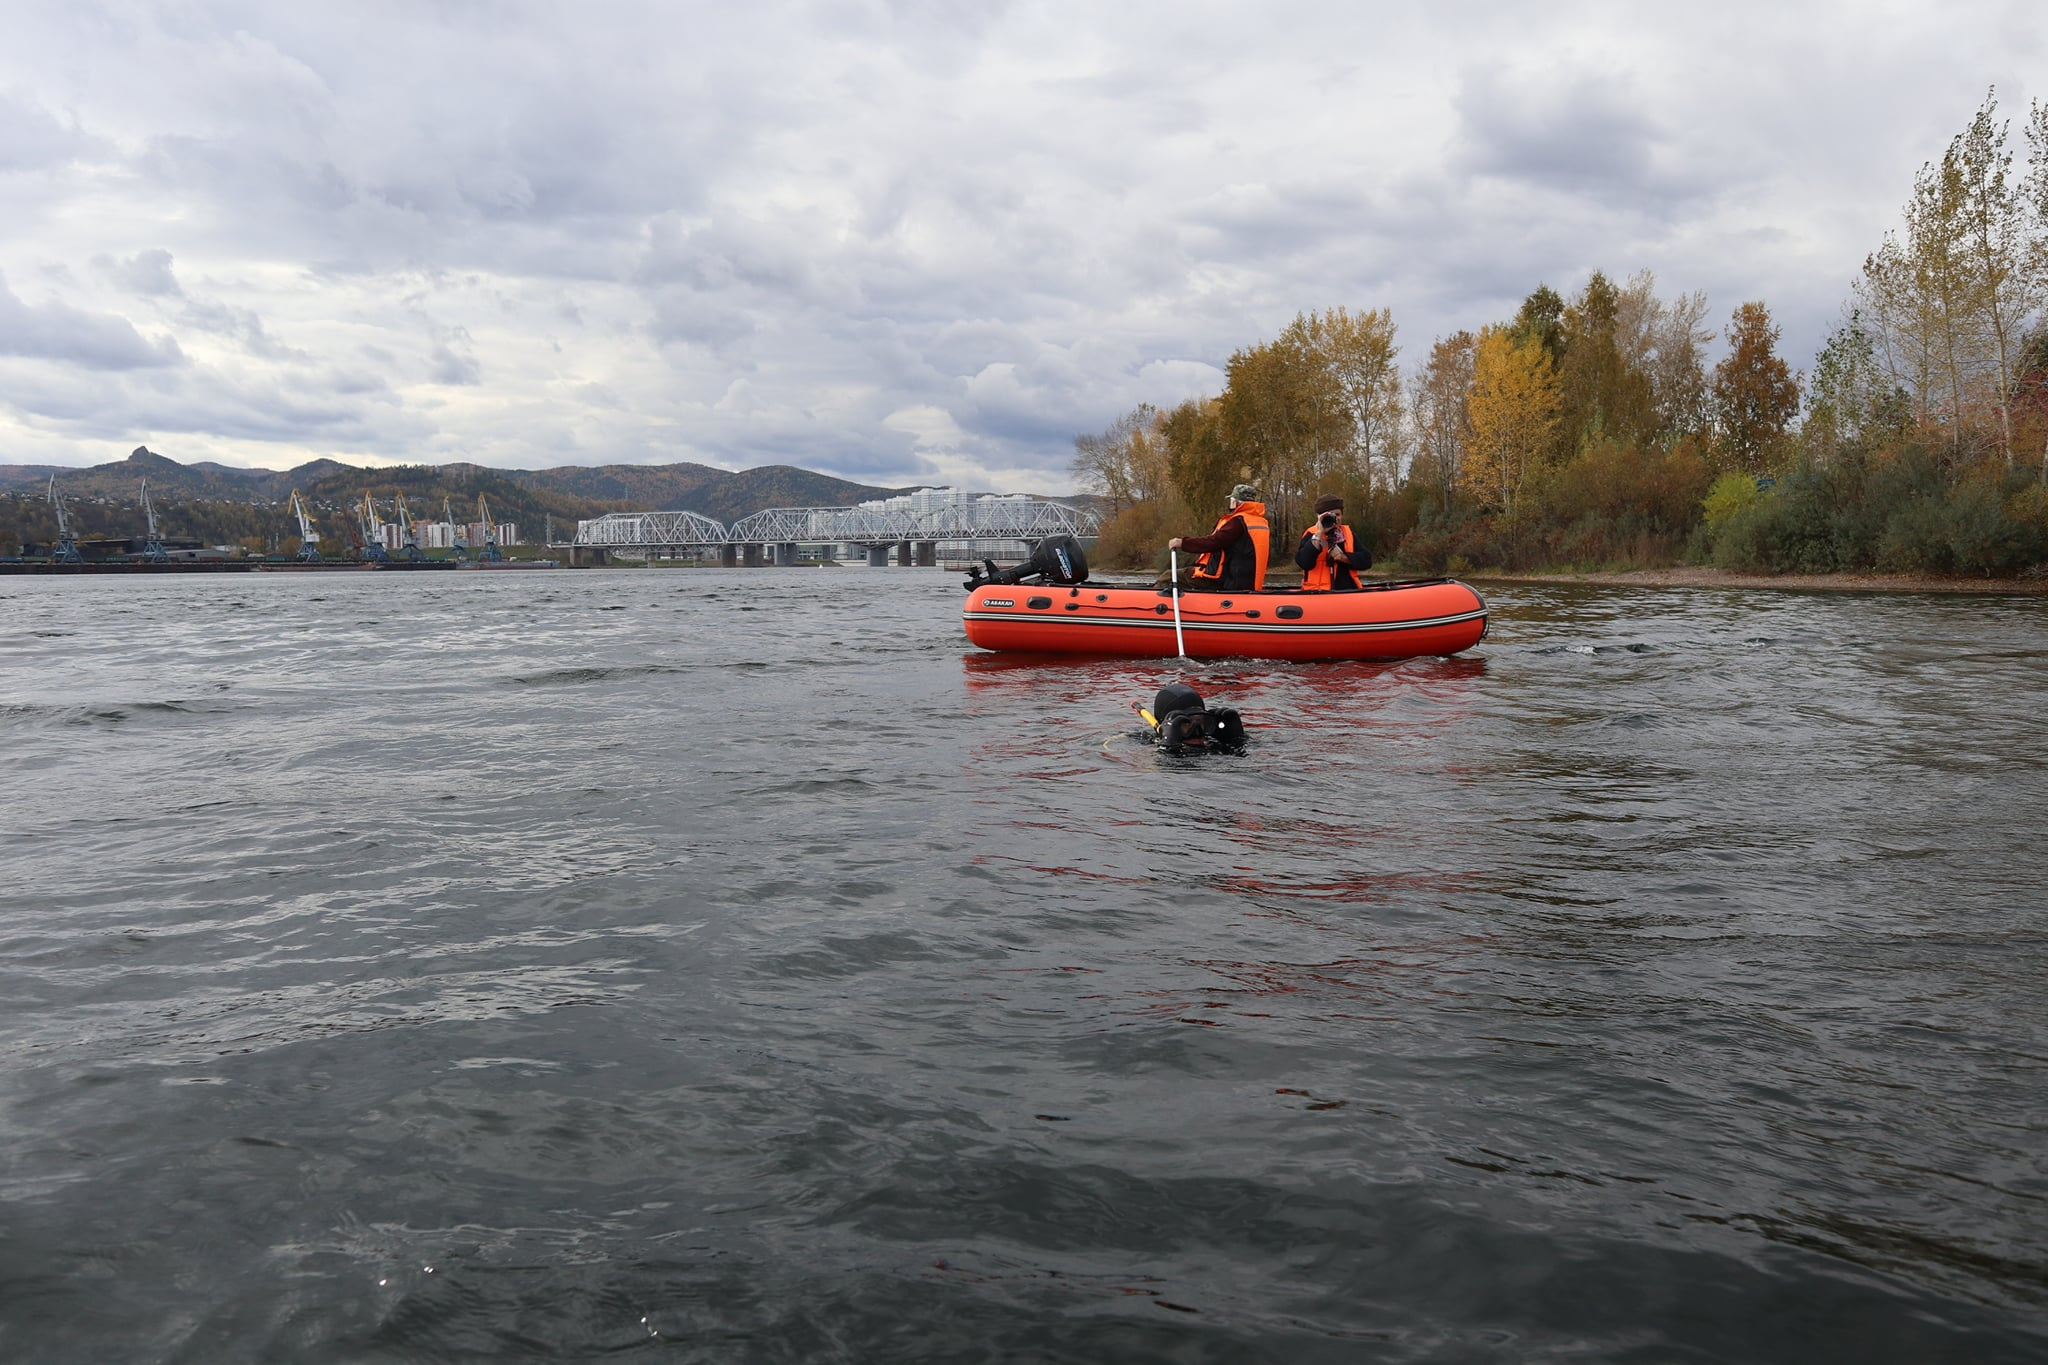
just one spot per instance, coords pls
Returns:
(1180, 722)
(1056, 559)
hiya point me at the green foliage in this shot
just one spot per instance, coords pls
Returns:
(1198, 457)
(1730, 494)
(1899, 514)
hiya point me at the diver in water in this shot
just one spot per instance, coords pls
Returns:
(1182, 723)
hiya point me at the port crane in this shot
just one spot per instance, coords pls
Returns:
(373, 530)
(309, 539)
(490, 554)
(67, 542)
(408, 532)
(153, 551)
(456, 533)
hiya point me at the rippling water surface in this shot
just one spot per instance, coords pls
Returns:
(736, 966)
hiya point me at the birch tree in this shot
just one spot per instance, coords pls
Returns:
(1948, 302)
(1441, 421)
(2000, 254)
(1666, 343)
(1513, 411)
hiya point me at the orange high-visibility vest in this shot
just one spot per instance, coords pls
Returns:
(1211, 568)
(1316, 578)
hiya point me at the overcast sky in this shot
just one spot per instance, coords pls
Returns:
(905, 242)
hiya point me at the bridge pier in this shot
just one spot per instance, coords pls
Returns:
(878, 556)
(750, 556)
(927, 554)
(903, 554)
(728, 556)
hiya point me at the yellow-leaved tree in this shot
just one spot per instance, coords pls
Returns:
(1513, 407)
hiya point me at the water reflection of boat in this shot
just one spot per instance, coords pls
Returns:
(1395, 620)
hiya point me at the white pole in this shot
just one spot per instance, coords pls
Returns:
(1179, 646)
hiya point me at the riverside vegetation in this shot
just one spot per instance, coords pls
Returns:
(1590, 433)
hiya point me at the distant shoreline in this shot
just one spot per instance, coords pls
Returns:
(1689, 577)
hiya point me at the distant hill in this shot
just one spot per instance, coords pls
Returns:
(183, 493)
(28, 475)
(717, 493)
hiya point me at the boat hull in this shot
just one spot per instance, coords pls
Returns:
(1401, 620)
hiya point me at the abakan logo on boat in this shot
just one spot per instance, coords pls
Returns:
(999, 601)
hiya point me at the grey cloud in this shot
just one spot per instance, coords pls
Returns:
(146, 272)
(109, 406)
(454, 367)
(149, 274)
(772, 228)
(241, 324)
(98, 341)
(32, 140)
(1565, 132)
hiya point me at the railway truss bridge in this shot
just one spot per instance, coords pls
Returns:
(993, 528)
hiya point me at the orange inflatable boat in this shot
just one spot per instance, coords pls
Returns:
(1393, 620)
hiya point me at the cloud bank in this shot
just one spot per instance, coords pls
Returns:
(898, 242)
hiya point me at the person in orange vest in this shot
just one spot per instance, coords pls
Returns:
(1233, 556)
(1330, 556)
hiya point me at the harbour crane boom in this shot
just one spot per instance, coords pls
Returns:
(373, 529)
(456, 535)
(67, 543)
(153, 551)
(483, 514)
(407, 530)
(309, 539)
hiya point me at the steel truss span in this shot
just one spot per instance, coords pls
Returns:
(1004, 519)
(620, 530)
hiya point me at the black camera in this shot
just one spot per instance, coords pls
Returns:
(1328, 521)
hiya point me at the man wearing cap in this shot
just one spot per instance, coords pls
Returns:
(1329, 555)
(1233, 556)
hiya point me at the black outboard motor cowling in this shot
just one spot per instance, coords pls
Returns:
(1057, 560)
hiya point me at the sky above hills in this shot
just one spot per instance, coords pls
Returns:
(906, 242)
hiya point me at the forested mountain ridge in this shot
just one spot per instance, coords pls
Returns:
(221, 504)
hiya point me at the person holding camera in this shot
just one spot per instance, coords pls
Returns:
(1330, 556)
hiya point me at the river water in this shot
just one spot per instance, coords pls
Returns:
(737, 966)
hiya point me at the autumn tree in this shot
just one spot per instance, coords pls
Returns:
(1198, 455)
(1108, 463)
(1362, 358)
(1666, 343)
(1318, 407)
(1281, 416)
(1131, 464)
(1948, 302)
(1756, 395)
(1513, 412)
(1441, 421)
